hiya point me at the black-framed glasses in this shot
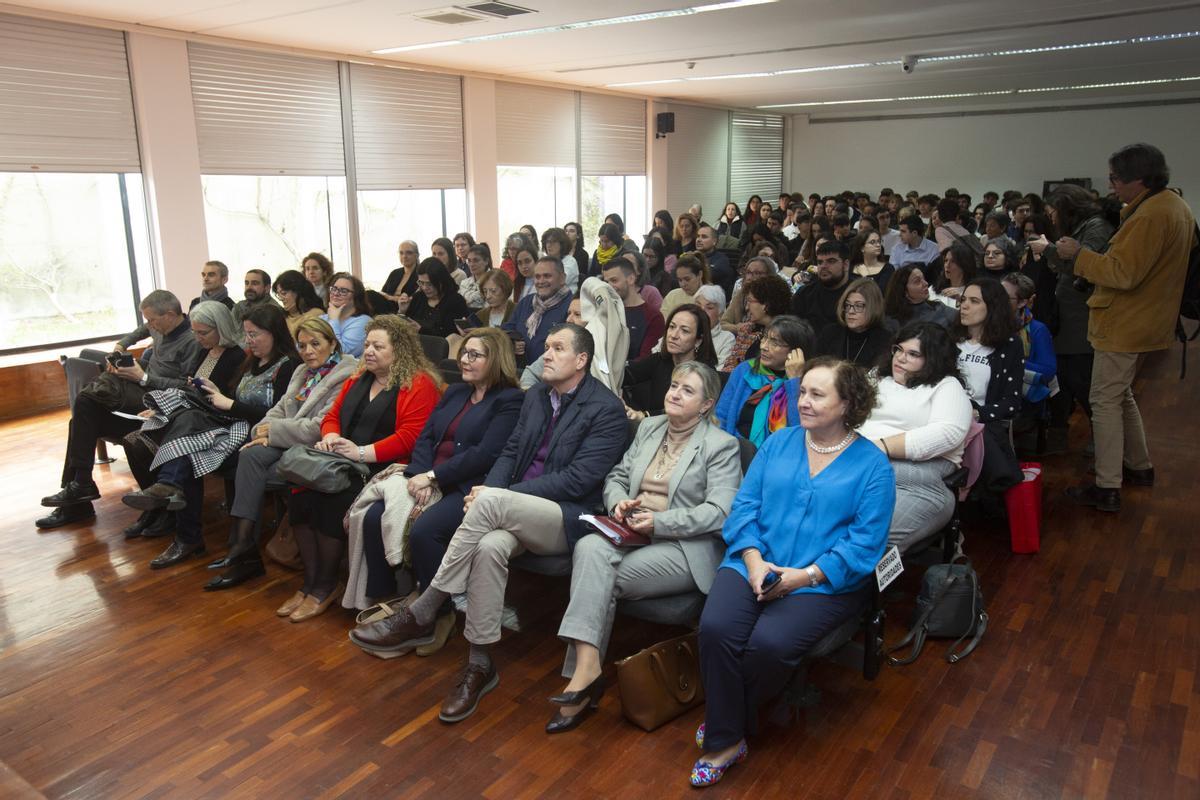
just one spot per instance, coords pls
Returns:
(339, 290)
(855, 307)
(471, 356)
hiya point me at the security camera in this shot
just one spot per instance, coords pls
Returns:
(909, 64)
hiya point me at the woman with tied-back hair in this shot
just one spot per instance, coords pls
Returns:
(478, 264)
(298, 298)
(443, 250)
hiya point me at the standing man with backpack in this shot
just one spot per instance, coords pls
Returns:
(1138, 284)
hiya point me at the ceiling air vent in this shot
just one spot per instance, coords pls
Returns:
(502, 10)
(449, 16)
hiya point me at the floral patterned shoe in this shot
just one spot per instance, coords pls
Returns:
(705, 773)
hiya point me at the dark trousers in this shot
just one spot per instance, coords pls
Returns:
(178, 472)
(89, 422)
(749, 650)
(1075, 385)
(427, 543)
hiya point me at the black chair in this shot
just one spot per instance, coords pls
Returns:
(81, 371)
(436, 348)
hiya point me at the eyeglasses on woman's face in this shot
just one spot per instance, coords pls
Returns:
(854, 308)
(906, 355)
(471, 356)
(340, 291)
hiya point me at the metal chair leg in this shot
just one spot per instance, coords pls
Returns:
(102, 456)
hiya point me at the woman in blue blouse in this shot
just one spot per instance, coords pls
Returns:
(814, 510)
(349, 312)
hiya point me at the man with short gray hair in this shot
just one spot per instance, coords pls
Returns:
(173, 354)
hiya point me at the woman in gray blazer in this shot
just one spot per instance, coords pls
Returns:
(295, 419)
(675, 484)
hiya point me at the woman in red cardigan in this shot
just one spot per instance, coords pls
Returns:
(375, 420)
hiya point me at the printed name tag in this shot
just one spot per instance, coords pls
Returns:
(888, 568)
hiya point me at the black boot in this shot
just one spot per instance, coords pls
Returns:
(243, 561)
(162, 525)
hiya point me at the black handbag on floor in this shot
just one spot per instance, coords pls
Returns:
(950, 606)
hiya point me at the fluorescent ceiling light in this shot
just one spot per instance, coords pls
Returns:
(955, 95)
(1162, 37)
(573, 26)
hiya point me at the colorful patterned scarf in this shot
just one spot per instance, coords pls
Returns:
(313, 376)
(771, 415)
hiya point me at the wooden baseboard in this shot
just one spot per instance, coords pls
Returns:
(27, 389)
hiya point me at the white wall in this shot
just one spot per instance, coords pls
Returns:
(998, 152)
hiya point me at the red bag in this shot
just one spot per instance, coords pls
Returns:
(1024, 504)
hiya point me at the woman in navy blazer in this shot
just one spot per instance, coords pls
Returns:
(460, 442)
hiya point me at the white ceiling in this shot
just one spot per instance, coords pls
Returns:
(783, 35)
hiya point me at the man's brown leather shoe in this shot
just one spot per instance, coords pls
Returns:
(473, 683)
(400, 631)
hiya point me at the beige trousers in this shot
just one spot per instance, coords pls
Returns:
(498, 526)
(1116, 421)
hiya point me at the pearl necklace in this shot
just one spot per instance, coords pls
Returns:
(816, 448)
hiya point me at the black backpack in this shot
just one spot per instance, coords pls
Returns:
(950, 606)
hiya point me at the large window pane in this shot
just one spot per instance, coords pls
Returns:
(543, 197)
(271, 222)
(64, 264)
(387, 218)
(613, 194)
(456, 212)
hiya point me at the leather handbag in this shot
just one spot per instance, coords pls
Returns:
(324, 472)
(661, 682)
(949, 606)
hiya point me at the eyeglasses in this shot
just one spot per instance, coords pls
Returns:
(772, 342)
(253, 335)
(471, 356)
(339, 290)
(281, 293)
(857, 308)
(908, 354)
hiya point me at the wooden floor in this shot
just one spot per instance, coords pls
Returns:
(117, 681)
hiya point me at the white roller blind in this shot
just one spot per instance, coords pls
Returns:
(698, 160)
(408, 129)
(612, 135)
(756, 165)
(535, 126)
(65, 102)
(266, 113)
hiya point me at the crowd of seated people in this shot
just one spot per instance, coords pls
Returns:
(857, 345)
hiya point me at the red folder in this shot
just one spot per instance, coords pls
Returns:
(618, 533)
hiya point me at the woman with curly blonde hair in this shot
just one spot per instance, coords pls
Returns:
(375, 420)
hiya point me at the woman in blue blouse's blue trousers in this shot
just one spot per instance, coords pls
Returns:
(814, 509)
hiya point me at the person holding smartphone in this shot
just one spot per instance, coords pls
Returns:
(814, 511)
(165, 364)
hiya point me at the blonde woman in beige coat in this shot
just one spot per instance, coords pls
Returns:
(295, 419)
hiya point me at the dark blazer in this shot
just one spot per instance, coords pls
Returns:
(588, 440)
(478, 440)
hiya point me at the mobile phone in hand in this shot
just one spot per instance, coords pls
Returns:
(769, 581)
(124, 360)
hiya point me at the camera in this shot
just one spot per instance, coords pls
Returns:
(909, 64)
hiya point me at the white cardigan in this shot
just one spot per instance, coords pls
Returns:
(934, 419)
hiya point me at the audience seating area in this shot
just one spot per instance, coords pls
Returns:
(120, 681)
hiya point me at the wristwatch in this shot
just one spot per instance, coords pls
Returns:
(431, 477)
(812, 575)
(142, 380)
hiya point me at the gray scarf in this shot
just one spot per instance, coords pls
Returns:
(540, 307)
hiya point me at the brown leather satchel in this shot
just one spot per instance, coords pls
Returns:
(661, 682)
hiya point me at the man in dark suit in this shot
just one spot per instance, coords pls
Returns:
(572, 431)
